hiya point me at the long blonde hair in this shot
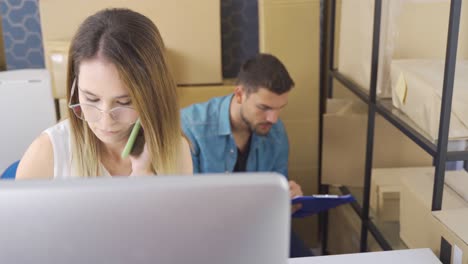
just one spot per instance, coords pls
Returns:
(134, 45)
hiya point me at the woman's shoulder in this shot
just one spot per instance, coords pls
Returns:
(185, 165)
(38, 160)
(62, 127)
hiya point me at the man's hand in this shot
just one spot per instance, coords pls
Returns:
(295, 190)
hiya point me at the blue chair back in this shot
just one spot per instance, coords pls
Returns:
(10, 172)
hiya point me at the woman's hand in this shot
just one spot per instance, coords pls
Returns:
(139, 157)
(141, 164)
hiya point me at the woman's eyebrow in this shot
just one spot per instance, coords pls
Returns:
(92, 94)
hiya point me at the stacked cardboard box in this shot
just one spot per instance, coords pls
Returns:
(344, 230)
(451, 224)
(418, 227)
(344, 144)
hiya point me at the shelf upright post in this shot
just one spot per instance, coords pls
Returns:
(371, 124)
(326, 88)
(331, 49)
(446, 107)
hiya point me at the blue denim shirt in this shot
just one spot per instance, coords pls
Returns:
(214, 150)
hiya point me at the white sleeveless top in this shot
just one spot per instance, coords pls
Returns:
(61, 143)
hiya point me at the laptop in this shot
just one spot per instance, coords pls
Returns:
(242, 218)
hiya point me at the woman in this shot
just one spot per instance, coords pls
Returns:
(117, 74)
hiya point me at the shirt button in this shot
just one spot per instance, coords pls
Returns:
(232, 151)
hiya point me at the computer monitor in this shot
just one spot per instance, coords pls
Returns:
(165, 219)
(26, 109)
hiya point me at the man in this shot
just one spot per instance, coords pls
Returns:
(242, 131)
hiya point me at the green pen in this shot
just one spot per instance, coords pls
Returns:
(131, 140)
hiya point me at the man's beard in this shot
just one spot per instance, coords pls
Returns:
(254, 128)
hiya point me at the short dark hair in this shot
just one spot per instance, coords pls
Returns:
(264, 71)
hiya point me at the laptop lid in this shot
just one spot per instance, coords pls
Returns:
(242, 218)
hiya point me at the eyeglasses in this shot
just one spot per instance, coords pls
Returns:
(91, 113)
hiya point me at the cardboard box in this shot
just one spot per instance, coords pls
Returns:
(418, 228)
(344, 230)
(193, 52)
(301, 56)
(385, 191)
(344, 144)
(388, 203)
(385, 194)
(458, 181)
(451, 224)
(56, 59)
(400, 21)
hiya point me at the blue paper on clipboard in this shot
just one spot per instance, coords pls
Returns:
(317, 203)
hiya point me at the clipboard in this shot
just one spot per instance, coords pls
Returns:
(318, 203)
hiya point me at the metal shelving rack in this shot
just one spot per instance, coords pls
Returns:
(437, 151)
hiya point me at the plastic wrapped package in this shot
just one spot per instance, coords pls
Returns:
(355, 41)
(407, 32)
(57, 61)
(417, 91)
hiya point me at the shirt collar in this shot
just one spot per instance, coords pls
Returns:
(224, 122)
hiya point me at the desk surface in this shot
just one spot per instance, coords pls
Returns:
(409, 256)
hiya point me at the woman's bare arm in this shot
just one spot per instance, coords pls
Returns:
(38, 160)
(186, 166)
